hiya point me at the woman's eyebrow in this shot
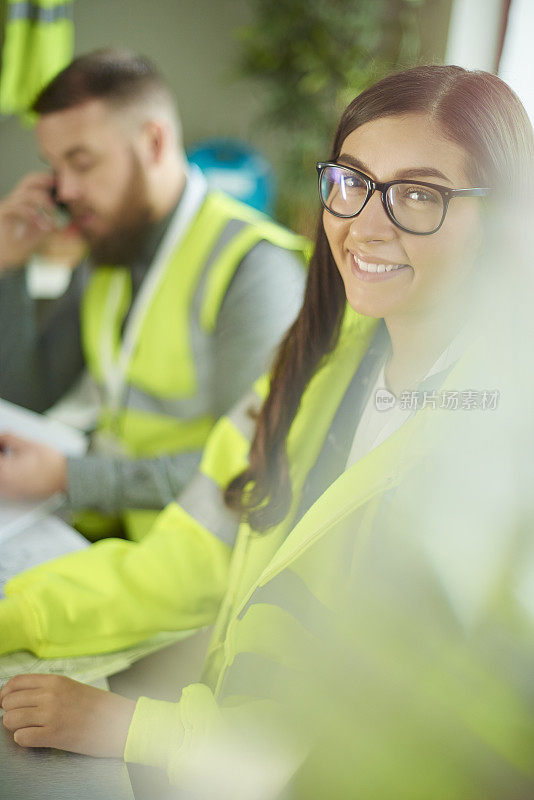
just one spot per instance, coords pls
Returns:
(423, 172)
(413, 173)
(355, 162)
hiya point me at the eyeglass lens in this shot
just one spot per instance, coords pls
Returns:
(417, 208)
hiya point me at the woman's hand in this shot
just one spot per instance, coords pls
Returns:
(54, 711)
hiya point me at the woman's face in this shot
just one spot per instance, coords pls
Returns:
(433, 268)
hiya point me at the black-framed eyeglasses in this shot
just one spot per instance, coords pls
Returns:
(414, 206)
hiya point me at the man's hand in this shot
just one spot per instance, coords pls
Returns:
(29, 469)
(54, 711)
(26, 219)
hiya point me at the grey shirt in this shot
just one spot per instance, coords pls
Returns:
(41, 358)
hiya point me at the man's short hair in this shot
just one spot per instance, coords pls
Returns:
(119, 78)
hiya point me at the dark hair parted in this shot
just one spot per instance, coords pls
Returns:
(118, 77)
(476, 110)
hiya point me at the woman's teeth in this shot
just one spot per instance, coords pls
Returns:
(366, 267)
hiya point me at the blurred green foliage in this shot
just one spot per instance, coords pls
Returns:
(312, 57)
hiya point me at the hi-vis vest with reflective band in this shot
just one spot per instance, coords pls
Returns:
(274, 563)
(253, 552)
(163, 411)
(285, 585)
(38, 43)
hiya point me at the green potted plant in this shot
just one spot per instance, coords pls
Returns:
(312, 57)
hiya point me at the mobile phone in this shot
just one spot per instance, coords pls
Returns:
(62, 211)
(53, 194)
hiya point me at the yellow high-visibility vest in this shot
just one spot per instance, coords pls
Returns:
(158, 408)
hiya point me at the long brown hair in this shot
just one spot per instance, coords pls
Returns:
(476, 110)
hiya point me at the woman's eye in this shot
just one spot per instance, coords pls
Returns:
(418, 195)
(351, 182)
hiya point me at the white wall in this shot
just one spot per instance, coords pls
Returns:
(517, 62)
(474, 31)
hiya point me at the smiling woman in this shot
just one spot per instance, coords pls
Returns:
(448, 126)
(430, 269)
(392, 295)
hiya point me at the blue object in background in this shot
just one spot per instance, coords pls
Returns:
(237, 169)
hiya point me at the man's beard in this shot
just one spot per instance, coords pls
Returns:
(131, 224)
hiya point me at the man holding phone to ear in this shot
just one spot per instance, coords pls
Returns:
(175, 310)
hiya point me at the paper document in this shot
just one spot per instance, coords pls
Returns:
(40, 428)
(18, 516)
(87, 669)
(14, 515)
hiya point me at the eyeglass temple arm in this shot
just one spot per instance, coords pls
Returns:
(475, 192)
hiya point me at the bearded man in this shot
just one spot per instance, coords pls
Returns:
(174, 311)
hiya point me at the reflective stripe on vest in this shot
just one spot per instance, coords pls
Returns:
(36, 12)
(289, 590)
(203, 498)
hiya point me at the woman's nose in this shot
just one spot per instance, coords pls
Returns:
(373, 222)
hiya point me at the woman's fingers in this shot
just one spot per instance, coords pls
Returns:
(24, 698)
(31, 737)
(24, 718)
(29, 681)
(26, 703)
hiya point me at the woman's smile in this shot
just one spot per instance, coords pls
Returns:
(370, 270)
